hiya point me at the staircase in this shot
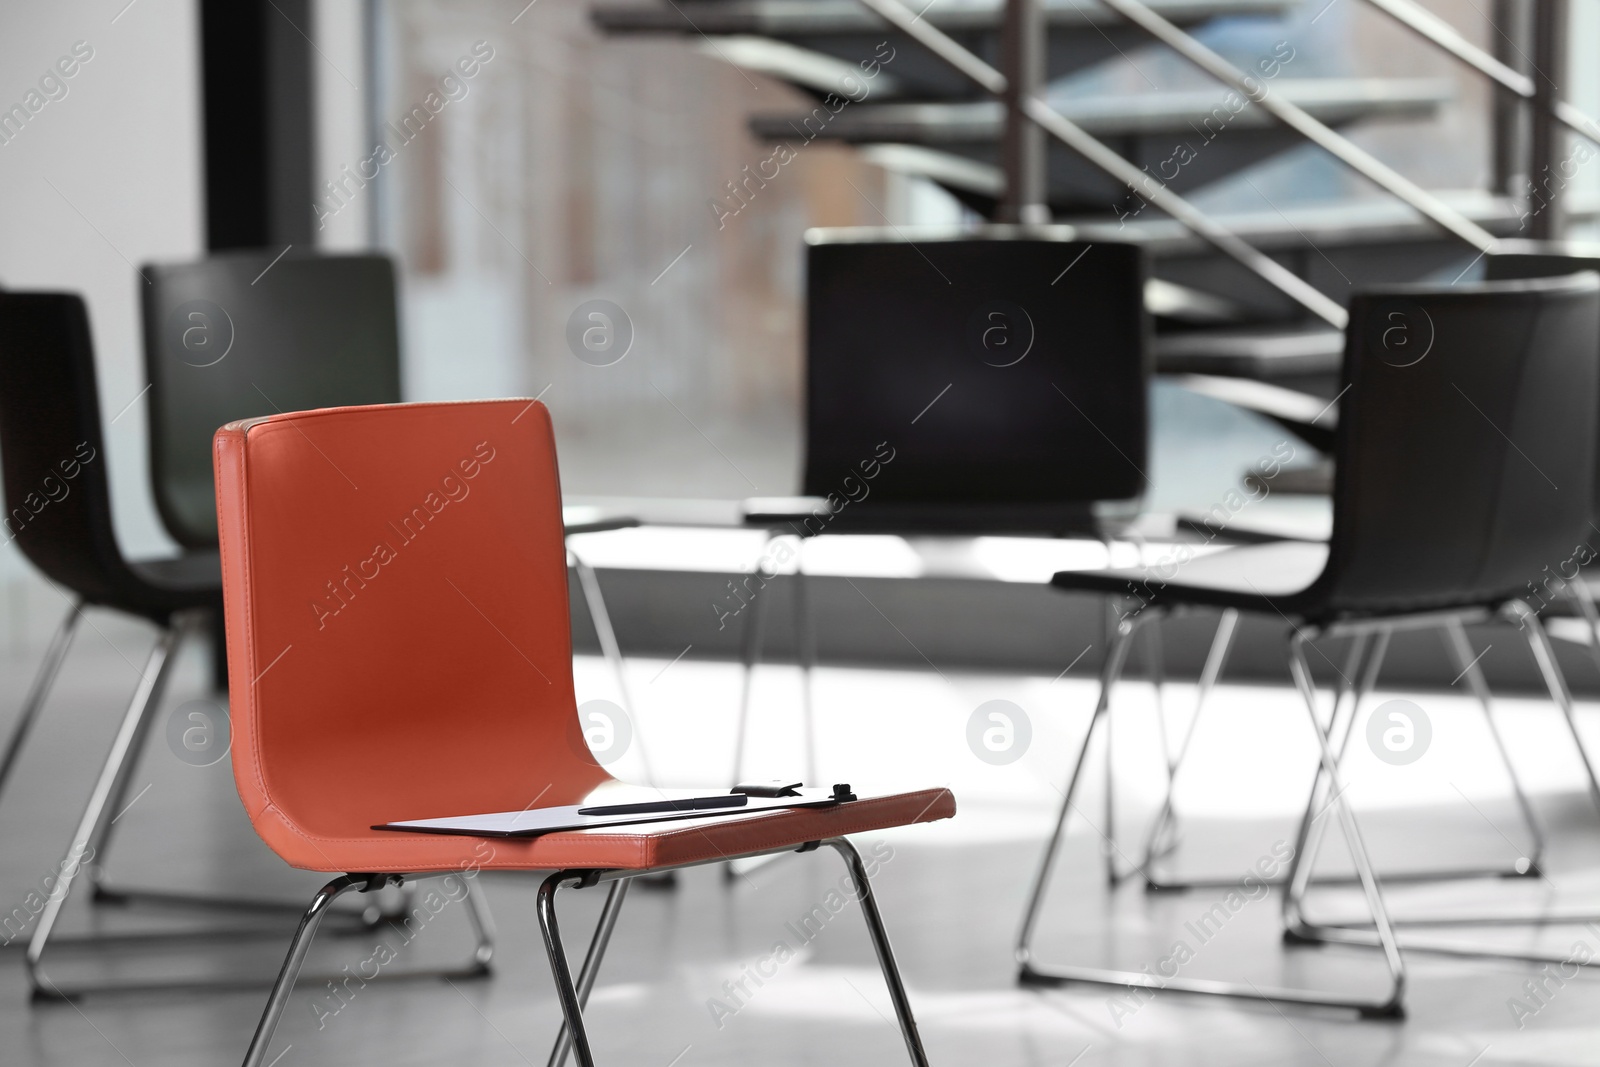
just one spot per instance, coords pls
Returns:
(1214, 317)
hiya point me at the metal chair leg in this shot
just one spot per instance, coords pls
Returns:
(278, 999)
(1584, 598)
(591, 963)
(1299, 880)
(1353, 667)
(574, 996)
(1455, 639)
(1544, 655)
(1365, 663)
(805, 650)
(749, 655)
(1389, 1005)
(1361, 934)
(43, 680)
(98, 815)
(589, 582)
(1108, 777)
(1166, 819)
(482, 922)
(885, 953)
(1110, 671)
(571, 1003)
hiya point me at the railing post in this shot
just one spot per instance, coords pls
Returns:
(1546, 136)
(1022, 151)
(1505, 106)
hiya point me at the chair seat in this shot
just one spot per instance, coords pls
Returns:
(192, 572)
(638, 847)
(1265, 577)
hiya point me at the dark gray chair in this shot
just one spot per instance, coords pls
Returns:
(243, 334)
(1439, 519)
(971, 385)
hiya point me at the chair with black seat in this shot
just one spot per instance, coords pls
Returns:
(1439, 519)
(59, 512)
(947, 380)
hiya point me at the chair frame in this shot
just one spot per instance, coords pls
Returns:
(1160, 840)
(574, 994)
(1364, 665)
(1297, 926)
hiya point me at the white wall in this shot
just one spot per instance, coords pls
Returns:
(98, 181)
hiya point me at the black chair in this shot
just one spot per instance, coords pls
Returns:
(1455, 434)
(946, 380)
(59, 511)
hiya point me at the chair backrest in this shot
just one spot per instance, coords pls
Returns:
(1466, 450)
(1544, 259)
(57, 495)
(245, 334)
(395, 583)
(1008, 378)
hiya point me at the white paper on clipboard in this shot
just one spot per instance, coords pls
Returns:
(534, 821)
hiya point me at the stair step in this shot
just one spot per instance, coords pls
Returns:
(1081, 32)
(1188, 138)
(1259, 353)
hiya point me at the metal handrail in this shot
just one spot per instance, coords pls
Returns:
(1432, 28)
(1303, 123)
(1140, 181)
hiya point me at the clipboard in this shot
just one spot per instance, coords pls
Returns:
(617, 808)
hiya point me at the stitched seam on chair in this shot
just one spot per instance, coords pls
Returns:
(247, 608)
(328, 413)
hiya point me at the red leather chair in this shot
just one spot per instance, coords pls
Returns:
(398, 636)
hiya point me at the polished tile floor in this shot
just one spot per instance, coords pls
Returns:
(952, 893)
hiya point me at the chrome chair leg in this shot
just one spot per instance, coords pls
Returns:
(1299, 879)
(1584, 598)
(589, 582)
(1362, 933)
(1455, 638)
(1365, 662)
(1110, 671)
(43, 680)
(1555, 681)
(1354, 661)
(574, 995)
(482, 923)
(278, 999)
(98, 815)
(591, 963)
(885, 953)
(566, 992)
(1032, 974)
(749, 655)
(1161, 838)
(805, 649)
